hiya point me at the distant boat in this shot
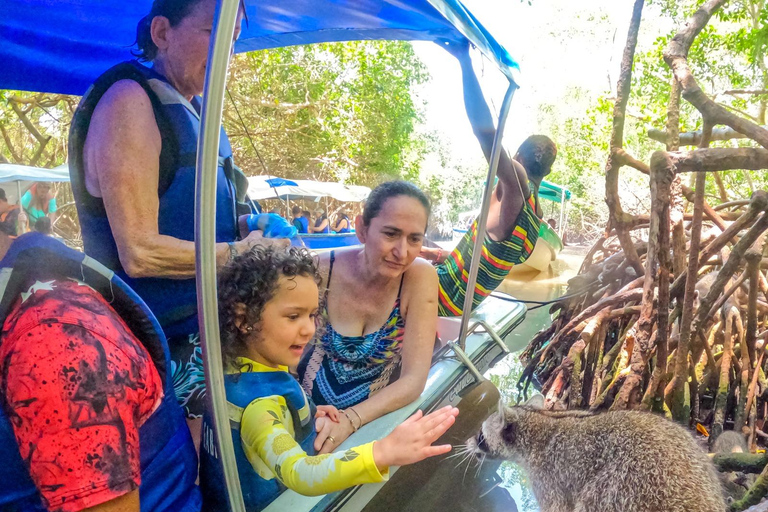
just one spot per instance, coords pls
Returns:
(273, 187)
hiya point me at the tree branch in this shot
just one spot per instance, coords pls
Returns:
(612, 167)
(676, 57)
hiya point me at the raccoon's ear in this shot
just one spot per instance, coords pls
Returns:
(535, 402)
(509, 432)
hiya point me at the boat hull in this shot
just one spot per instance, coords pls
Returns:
(547, 247)
(320, 241)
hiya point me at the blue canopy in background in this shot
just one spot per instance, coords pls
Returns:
(62, 46)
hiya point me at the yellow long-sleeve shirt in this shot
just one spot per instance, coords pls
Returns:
(267, 437)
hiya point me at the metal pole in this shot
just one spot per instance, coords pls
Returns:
(562, 213)
(205, 239)
(565, 222)
(23, 228)
(481, 221)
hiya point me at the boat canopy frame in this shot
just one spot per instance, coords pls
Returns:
(205, 216)
(65, 45)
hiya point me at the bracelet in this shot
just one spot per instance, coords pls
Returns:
(439, 253)
(232, 252)
(358, 416)
(354, 428)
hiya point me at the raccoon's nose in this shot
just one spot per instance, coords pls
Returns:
(481, 444)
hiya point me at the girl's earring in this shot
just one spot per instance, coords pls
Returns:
(249, 329)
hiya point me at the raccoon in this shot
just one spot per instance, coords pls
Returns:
(730, 442)
(619, 461)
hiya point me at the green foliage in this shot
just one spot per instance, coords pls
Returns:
(340, 111)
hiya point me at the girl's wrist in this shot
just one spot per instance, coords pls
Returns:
(380, 455)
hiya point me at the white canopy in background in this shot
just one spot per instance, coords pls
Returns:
(260, 188)
(16, 179)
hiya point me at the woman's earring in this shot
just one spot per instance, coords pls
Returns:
(249, 329)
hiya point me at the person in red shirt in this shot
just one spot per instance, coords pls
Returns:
(77, 386)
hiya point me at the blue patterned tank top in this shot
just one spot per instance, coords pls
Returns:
(343, 370)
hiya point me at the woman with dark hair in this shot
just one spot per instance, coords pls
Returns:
(342, 223)
(132, 153)
(380, 311)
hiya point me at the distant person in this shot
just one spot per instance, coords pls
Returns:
(552, 223)
(39, 202)
(342, 223)
(322, 224)
(299, 221)
(9, 216)
(43, 226)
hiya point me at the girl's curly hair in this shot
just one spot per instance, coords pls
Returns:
(251, 279)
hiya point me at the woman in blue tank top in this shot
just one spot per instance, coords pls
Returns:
(380, 313)
(342, 224)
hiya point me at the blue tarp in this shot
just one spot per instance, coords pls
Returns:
(61, 46)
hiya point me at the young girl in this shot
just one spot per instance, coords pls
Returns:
(268, 304)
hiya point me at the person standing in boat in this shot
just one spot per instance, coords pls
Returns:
(299, 221)
(322, 224)
(132, 151)
(342, 223)
(513, 216)
(379, 310)
(39, 202)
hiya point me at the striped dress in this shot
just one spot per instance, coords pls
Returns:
(498, 258)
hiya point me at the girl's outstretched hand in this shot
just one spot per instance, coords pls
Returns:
(412, 440)
(327, 411)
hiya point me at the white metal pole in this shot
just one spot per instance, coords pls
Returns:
(205, 240)
(562, 213)
(481, 221)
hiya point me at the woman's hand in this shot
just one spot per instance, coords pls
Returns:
(330, 435)
(412, 440)
(257, 238)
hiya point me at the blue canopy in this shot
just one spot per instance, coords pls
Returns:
(61, 46)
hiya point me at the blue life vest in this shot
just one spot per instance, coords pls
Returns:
(167, 455)
(242, 389)
(327, 228)
(174, 301)
(346, 229)
(302, 224)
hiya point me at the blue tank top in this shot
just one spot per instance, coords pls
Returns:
(345, 370)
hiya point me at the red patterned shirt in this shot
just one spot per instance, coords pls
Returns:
(78, 386)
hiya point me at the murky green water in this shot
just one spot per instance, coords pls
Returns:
(507, 372)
